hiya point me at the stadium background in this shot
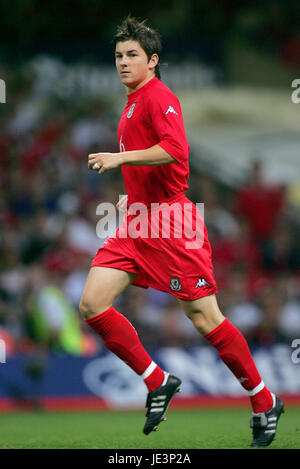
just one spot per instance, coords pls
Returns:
(232, 65)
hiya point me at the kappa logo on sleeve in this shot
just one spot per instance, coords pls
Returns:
(172, 110)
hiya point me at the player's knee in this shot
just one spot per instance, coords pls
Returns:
(204, 313)
(204, 321)
(89, 309)
(85, 308)
(199, 321)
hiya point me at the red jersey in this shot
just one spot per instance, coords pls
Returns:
(153, 116)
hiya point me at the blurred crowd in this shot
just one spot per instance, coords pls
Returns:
(48, 237)
(202, 27)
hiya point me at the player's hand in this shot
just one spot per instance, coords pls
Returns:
(102, 162)
(122, 204)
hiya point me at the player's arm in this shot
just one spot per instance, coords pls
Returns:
(165, 118)
(155, 155)
(151, 156)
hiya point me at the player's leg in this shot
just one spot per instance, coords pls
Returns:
(234, 352)
(102, 287)
(231, 346)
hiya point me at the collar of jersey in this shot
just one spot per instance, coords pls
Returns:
(132, 96)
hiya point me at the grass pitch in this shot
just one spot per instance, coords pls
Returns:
(184, 429)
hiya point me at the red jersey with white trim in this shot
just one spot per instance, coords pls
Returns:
(153, 116)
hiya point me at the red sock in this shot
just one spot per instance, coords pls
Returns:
(234, 352)
(121, 338)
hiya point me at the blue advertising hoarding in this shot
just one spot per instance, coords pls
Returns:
(107, 378)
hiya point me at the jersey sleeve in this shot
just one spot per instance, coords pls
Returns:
(166, 120)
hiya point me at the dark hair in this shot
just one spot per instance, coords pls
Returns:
(148, 38)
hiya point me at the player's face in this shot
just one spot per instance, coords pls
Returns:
(133, 66)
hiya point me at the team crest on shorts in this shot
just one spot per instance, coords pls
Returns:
(175, 284)
(130, 112)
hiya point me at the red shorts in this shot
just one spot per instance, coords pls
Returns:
(167, 248)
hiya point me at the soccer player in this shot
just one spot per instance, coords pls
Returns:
(154, 160)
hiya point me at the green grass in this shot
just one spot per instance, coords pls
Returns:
(184, 429)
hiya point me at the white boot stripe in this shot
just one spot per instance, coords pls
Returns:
(165, 378)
